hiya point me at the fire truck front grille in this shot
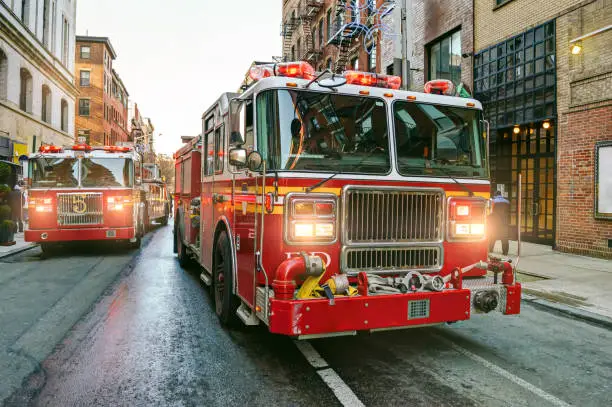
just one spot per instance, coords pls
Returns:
(80, 209)
(391, 259)
(392, 215)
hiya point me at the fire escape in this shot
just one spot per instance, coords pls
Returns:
(343, 36)
(287, 29)
(306, 15)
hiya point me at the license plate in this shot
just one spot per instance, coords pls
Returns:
(111, 233)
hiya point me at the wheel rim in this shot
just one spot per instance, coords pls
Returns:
(219, 282)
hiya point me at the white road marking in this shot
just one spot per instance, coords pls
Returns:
(343, 393)
(504, 373)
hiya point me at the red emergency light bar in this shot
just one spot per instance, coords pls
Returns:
(372, 79)
(302, 70)
(81, 147)
(440, 87)
(50, 149)
(117, 149)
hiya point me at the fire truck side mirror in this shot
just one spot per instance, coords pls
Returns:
(238, 157)
(254, 161)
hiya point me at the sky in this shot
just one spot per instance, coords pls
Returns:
(176, 57)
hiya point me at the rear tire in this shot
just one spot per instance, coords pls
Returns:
(164, 220)
(183, 256)
(136, 244)
(48, 249)
(226, 303)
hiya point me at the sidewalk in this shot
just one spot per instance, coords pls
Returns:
(580, 282)
(19, 246)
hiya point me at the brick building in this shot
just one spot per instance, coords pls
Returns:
(102, 108)
(37, 91)
(543, 71)
(311, 31)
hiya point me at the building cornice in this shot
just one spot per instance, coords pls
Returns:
(101, 40)
(26, 44)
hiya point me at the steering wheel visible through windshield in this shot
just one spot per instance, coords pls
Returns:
(323, 132)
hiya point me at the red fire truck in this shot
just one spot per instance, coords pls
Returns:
(157, 205)
(322, 204)
(84, 193)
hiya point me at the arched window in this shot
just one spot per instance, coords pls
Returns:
(45, 114)
(64, 124)
(3, 75)
(25, 91)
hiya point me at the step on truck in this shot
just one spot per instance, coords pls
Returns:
(321, 204)
(81, 193)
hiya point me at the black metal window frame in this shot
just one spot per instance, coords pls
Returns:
(439, 73)
(84, 107)
(516, 79)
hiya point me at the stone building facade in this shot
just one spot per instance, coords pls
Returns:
(102, 107)
(549, 103)
(37, 91)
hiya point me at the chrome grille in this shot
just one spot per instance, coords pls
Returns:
(391, 259)
(80, 209)
(393, 215)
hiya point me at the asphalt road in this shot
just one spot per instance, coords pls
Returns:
(152, 338)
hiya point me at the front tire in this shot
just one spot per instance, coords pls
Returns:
(183, 256)
(48, 249)
(226, 303)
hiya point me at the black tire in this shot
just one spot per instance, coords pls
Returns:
(174, 244)
(164, 220)
(181, 250)
(226, 303)
(48, 249)
(136, 244)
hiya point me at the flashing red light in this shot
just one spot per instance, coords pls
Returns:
(81, 147)
(117, 149)
(50, 149)
(372, 79)
(324, 208)
(440, 87)
(259, 72)
(296, 70)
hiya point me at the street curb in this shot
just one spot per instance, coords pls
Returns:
(568, 310)
(15, 251)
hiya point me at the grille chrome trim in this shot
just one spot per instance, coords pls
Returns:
(398, 259)
(68, 216)
(396, 225)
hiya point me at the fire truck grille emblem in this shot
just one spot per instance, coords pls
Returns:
(79, 209)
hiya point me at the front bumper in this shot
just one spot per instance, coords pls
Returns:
(378, 312)
(79, 234)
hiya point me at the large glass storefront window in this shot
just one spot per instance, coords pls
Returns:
(445, 58)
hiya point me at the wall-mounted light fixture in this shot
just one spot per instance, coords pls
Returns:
(516, 129)
(576, 48)
(546, 125)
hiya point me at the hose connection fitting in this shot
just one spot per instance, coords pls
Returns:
(288, 271)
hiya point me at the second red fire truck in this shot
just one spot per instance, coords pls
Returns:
(83, 193)
(322, 204)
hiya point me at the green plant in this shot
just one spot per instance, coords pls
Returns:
(5, 212)
(9, 225)
(4, 188)
(5, 172)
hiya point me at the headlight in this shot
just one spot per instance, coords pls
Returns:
(466, 219)
(310, 218)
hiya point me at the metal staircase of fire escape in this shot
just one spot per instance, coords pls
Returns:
(343, 37)
(310, 10)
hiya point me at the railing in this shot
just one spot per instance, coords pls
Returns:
(80, 209)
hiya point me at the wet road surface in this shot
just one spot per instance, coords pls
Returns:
(154, 340)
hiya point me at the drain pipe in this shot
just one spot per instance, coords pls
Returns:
(518, 222)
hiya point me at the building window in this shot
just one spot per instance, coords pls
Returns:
(329, 24)
(355, 7)
(65, 41)
(25, 91)
(372, 57)
(45, 114)
(314, 38)
(64, 117)
(46, 23)
(328, 64)
(444, 58)
(25, 12)
(84, 107)
(83, 136)
(321, 33)
(515, 79)
(84, 78)
(85, 52)
(355, 63)
(299, 48)
(3, 75)
(293, 52)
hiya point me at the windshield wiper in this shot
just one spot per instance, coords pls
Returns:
(463, 186)
(323, 181)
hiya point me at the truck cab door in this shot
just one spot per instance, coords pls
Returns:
(207, 227)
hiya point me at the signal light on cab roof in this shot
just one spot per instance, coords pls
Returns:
(50, 149)
(117, 149)
(81, 147)
(372, 79)
(302, 70)
(440, 87)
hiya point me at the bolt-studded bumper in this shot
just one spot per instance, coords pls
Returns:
(79, 234)
(378, 312)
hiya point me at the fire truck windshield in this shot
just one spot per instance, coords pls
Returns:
(439, 140)
(322, 132)
(106, 172)
(54, 172)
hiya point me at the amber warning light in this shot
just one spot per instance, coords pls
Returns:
(372, 79)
